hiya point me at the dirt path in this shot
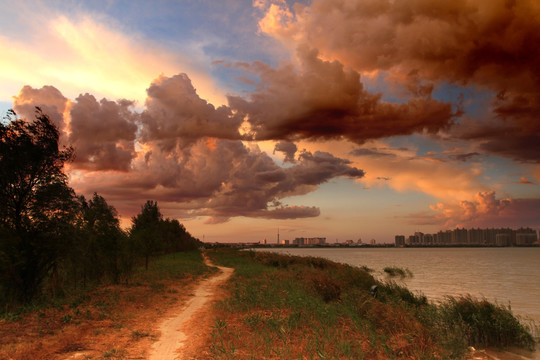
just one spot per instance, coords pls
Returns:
(173, 335)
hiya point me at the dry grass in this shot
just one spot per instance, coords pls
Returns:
(117, 323)
(111, 322)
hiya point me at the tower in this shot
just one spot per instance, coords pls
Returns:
(278, 235)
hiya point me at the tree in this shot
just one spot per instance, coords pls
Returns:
(103, 248)
(146, 230)
(36, 215)
(175, 237)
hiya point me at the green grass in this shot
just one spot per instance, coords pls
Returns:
(176, 266)
(291, 307)
(485, 324)
(394, 271)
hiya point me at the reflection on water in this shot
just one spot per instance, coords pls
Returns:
(508, 276)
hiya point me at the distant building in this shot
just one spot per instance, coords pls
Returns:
(471, 237)
(526, 238)
(459, 237)
(503, 239)
(400, 240)
(475, 237)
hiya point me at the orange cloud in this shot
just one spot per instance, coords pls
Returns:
(82, 54)
(488, 44)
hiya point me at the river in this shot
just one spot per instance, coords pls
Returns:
(508, 276)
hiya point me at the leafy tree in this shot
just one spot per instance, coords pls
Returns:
(145, 230)
(37, 204)
(175, 236)
(103, 247)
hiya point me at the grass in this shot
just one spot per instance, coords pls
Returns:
(283, 306)
(485, 324)
(394, 271)
(103, 321)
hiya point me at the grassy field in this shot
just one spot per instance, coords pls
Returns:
(285, 307)
(105, 321)
(274, 307)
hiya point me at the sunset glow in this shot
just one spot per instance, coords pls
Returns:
(345, 120)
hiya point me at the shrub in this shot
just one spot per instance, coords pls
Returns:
(485, 324)
(396, 271)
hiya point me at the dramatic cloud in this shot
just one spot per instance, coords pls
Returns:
(492, 42)
(80, 52)
(487, 44)
(287, 148)
(404, 170)
(176, 115)
(325, 100)
(181, 151)
(102, 133)
(48, 98)
(485, 210)
(221, 179)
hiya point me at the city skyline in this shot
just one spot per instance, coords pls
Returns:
(346, 120)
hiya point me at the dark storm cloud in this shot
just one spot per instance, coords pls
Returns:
(255, 184)
(488, 44)
(224, 179)
(371, 152)
(287, 148)
(463, 157)
(491, 42)
(325, 100)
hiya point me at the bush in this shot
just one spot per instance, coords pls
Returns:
(396, 271)
(485, 324)
(325, 287)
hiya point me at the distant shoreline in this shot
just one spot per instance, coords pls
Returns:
(366, 246)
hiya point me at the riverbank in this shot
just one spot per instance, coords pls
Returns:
(273, 307)
(283, 306)
(107, 321)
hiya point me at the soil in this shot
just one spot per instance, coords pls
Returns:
(119, 322)
(181, 333)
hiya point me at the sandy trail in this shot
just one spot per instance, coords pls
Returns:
(173, 338)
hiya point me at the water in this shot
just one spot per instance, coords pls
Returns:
(508, 276)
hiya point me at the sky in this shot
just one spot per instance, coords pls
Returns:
(344, 119)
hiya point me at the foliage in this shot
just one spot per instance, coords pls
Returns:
(397, 271)
(103, 248)
(50, 238)
(37, 205)
(485, 324)
(283, 306)
(154, 235)
(146, 226)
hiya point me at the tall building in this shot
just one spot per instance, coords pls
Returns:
(475, 236)
(526, 238)
(459, 237)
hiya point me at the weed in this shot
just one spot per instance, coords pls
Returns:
(292, 307)
(137, 335)
(114, 354)
(66, 319)
(157, 287)
(486, 324)
(394, 271)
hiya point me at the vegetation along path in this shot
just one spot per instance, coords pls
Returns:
(175, 333)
